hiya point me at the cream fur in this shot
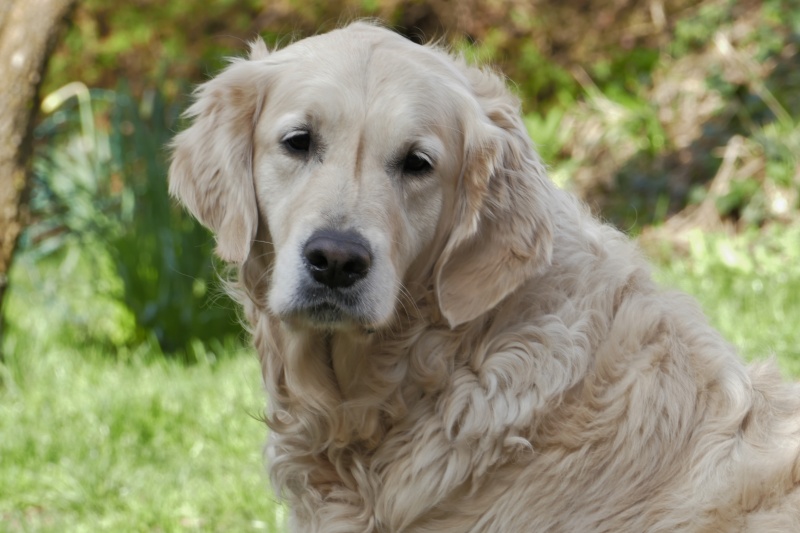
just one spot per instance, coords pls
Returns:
(509, 365)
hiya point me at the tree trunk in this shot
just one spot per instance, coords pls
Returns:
(28, 31)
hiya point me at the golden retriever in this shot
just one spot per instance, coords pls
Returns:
(448, 341)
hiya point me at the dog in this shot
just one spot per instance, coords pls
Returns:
(448, 341)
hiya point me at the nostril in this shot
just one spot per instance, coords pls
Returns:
(358, 265)
(337, 259)
(316, 258)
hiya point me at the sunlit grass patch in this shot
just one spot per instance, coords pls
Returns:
(130, 443)
(749, 286)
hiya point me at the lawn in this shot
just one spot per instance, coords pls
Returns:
(749, 286)
(91, 442)
(101, 440)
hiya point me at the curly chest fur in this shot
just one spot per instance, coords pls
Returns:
(398, 432)
(395, 429)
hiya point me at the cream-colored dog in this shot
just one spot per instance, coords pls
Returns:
(448, 341)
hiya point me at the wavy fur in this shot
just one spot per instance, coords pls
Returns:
(528, 375)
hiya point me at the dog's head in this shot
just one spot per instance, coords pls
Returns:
(361, 161)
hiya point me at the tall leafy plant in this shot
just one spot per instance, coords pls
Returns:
(101, 187)
(162, 256)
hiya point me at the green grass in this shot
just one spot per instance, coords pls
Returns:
(749, 286)
(91, 442)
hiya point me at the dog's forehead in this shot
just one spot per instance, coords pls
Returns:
(367, 75)
(367, 62)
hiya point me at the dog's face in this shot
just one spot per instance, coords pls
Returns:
(367, 160)
(349, 169)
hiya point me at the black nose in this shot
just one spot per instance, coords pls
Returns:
(337, 259)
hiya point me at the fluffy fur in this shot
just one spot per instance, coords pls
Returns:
(507, 364)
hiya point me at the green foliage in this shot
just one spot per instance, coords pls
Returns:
(162, 255)
(648, 130)
(150, 42)
(71, 295)
(551, 83)
(101, 195)
(624, 73)
(742, 193)
(544, 130)
(694, 32)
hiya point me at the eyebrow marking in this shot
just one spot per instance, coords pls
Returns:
(359, 156)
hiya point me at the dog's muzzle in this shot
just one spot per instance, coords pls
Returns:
(335, 262)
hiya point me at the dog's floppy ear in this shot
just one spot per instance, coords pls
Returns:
(503, 230)
(211, 170)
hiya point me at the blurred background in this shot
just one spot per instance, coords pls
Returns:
(129, 400)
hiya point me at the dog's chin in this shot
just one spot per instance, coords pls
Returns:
(328, 317)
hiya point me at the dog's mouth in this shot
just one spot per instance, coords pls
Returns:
(329, 310)
(326, 313)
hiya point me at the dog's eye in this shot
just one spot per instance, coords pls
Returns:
(416, 163)
(299, 141)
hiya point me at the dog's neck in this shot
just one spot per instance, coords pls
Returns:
(354, 382)
(348, 353)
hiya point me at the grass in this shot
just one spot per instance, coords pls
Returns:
(749, 286)
(126, 441)
(97, 443)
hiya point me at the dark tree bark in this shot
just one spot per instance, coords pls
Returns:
(28, 31)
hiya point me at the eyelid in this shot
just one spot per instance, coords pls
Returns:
(422, 155)
(294, 132)
(426, 151)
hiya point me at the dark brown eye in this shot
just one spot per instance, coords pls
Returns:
(416, 163)
(298, 142)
